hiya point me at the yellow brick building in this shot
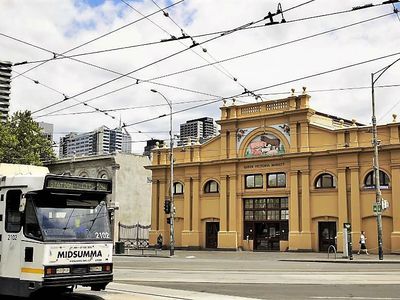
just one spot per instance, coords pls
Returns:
(280, 176)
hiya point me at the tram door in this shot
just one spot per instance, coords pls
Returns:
(326, 235)
(212, 229)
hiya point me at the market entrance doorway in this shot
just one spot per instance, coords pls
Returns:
(212, 229)
(267, 236)
(326, 235)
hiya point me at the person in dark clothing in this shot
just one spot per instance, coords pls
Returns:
(159, 241)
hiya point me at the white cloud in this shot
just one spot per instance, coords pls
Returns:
(62, 25)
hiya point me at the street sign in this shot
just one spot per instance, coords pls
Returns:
(377, 208)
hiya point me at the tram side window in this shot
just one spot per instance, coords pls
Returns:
(13, 216)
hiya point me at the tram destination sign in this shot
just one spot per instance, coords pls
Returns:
(78, 185)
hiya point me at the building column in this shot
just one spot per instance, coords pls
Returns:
(342, 206)
(394, 134)
(294, 241)
(304, 138)
(223, 145)
(223, 205)
(305, 210)
(355, 205)
(187, 205)
(395, 235)
(187, 222)
(191, 234)
(232, 144)
(227, 239)
(293, 137)
(233, 220)
(157, 215)
(154, 205)
(227, 236)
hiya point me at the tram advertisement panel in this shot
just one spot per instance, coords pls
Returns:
(75, 253)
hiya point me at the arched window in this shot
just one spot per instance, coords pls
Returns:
(325, 181)
(178, 188)
(369, 181)
(211, 187)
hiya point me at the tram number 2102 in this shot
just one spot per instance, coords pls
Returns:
(102, 235)
(12, 237)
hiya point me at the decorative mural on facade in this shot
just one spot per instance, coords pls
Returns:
(284, 129)
(264, 149)
(242, 133)
(265, 145)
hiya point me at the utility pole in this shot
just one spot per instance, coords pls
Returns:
(378, 193)
(171, 160)
(375, 143)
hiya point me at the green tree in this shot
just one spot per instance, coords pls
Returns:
(22, 141)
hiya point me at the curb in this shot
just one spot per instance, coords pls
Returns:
(347, 261)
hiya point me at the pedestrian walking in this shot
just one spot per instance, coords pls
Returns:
(362, 243)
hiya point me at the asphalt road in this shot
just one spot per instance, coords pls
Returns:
(265, 275)
(240, 275)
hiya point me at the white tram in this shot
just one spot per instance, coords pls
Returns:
(55, 231)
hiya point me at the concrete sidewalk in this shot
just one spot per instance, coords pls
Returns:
(276, 256)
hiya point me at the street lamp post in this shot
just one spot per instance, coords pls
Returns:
(171, 157)
(375, 143)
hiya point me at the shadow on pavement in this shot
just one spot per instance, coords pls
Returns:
(66, 296)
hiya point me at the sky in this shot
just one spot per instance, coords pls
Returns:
(96, 42)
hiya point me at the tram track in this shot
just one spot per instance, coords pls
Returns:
(147, 294)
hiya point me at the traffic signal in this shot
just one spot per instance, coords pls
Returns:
(169, 221)
(111, 214)
(167, 206)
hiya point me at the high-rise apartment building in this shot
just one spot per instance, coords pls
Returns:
(150, 144)
(5, 89)
(48, 130)
(202, 129)
(100, 141)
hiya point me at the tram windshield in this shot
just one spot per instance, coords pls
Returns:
(62, 217)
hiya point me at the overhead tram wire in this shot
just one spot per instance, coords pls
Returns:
(272, 47)
(133, 107)
(59, 56)
(275, 85)
(250, 53)
(267, 48)
(122, 88)
(253, 52)
(99, 37)
(238, 99)
(65, 96)
(101, 68)
(163, 59)
(185, 35)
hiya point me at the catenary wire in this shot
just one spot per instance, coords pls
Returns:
(253, 52)
(220, 68)
(160, 60)
(274, 46)
(275, 85)
(59, 56)
(99, 37)
(209, 100)
(99, 67)
(268, 48)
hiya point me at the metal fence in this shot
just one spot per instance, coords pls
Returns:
(134, 236)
